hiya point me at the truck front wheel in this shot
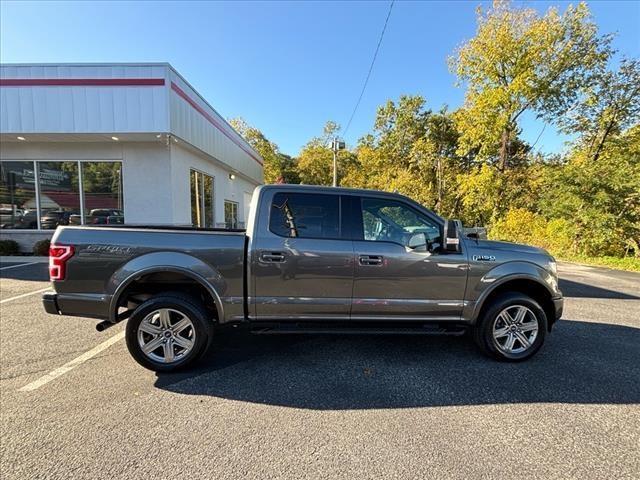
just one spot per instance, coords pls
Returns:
(168, 332)
(511, 328)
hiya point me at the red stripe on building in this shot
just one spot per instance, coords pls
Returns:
(213, 121)
(80, 82)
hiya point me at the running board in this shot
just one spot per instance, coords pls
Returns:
(354, 330)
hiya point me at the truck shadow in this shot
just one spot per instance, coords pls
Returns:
(582, 362)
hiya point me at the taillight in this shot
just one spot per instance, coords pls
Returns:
(58, 256)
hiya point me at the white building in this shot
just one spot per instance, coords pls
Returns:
(116, 143)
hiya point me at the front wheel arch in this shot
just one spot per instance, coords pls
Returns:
(483, 330)
(526, 286)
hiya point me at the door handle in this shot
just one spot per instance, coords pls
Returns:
(272, 257)
(370, 260)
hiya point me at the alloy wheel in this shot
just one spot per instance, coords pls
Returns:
(166, 335)
(515, 329)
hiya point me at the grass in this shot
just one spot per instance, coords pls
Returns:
(631, 264)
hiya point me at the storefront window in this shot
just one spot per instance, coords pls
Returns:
(230, 214)
(62, 194)
(196, 198)
(17, 195)
(201, 199)
(102, 188)
(59, 193)
(208, 201)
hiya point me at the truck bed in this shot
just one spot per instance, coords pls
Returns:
(107, 257)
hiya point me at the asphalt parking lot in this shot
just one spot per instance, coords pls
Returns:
(322, 406)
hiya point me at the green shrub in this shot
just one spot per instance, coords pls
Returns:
(9, 247)
(560, 236)
(523, 226)
(41, 248)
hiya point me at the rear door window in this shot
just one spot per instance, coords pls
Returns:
(304, 215)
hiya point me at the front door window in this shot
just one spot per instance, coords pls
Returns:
(391, 221)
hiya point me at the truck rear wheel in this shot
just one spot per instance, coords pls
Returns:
(168, 332)
(512, 328)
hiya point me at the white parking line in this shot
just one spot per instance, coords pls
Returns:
(16, 266)
(72, 364)
(24, 295)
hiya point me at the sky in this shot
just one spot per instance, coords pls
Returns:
(285, 67)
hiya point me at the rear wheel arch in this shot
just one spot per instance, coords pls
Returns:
(169, 331)
(155, 280)
(525, 285)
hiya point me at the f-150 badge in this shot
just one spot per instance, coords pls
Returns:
(483, 258)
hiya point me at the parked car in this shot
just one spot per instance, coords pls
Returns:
(23, 219)
(8, 217)
(313, 259)
(99, 216)
(55, 218)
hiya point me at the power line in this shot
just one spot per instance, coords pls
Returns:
(375, 55)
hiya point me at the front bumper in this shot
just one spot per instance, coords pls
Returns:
(558, 304)
(50, 302)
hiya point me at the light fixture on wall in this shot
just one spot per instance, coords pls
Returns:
(21, 138)
(232, 176)
(115, 139)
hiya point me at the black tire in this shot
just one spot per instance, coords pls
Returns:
(483, 331)
(201, 329)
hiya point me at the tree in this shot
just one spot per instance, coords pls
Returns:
(273, 161)
(520, 61)
(315, 162)
(443, 137)
(608, 107)
(601, 197)
(396, 156)
(598, 186)
(288, 169)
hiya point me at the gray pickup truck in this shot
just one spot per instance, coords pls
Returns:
(312, 259)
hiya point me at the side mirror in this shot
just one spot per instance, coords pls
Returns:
(418, 242)
(452, 236)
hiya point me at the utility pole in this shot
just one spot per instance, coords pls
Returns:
(336, 145)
